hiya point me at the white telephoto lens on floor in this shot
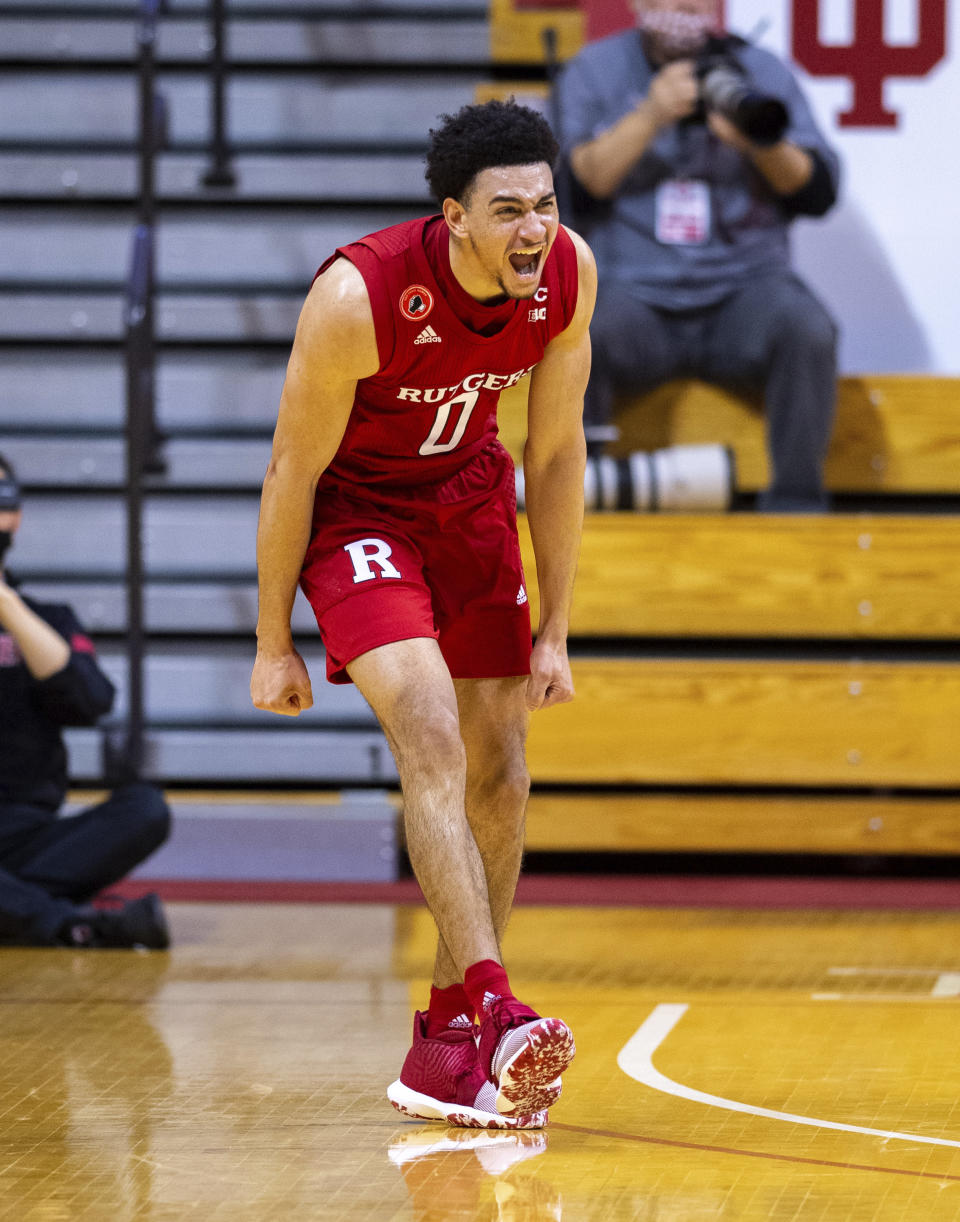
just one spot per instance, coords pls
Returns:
(699, 477)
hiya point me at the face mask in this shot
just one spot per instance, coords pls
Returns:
(6, 538)
(677, 35)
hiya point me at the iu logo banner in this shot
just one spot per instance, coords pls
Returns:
(869, 60)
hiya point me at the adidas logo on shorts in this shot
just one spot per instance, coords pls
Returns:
(521, 596)
(428, 336)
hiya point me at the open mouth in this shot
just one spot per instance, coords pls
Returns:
(526, 262)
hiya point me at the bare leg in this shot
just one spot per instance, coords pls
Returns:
(493, 724)
(408, 686)
(434, 729)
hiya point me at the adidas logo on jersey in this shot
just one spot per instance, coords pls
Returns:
(428, 336)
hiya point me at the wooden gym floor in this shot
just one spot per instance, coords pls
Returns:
(735, 1063)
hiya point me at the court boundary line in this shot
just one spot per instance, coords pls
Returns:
(636, 1060)
(779, 1158)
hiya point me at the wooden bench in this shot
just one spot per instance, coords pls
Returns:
(795, 745)
(893, 433)
(736, 823)
(753, 722)
(842, 576)
(661, 753)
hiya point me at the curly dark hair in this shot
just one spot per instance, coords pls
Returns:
(481, 136)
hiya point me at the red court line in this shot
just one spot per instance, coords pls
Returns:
(780, 1158)
(618, 890)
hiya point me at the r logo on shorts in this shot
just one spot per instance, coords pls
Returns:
(363, 551)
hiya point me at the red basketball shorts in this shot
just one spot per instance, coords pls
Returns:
(442, 562)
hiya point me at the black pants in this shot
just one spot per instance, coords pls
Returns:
(772, 335)
(50, 864)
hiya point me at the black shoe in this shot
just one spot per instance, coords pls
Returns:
(139, 923)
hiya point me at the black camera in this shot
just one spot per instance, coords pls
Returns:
(725, 88)
(9, 493)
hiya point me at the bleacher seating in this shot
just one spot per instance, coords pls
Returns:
(328, 108)
(894, 434)
(745, 682)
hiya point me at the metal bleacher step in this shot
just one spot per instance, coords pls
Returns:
(304, 176)
(237, 277)
(228, 393)
(186, 535)
(56, 461)
(78, 317)
(184, 608)
(203, 683)
(263, 36)
(350, 836)
(291, 107)
(225, 755)
(72, 249)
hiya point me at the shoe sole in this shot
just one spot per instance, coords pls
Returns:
(528, 1063)
(424, 1107)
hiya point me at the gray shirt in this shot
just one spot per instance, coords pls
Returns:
(748, 232)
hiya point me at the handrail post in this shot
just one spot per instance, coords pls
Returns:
(126, 763)
(146, 74)
(139, 406)
(220, 172)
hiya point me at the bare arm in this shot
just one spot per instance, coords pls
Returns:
(601, 164)
(553, 462)
(335, 346)
(44, 650)
(786, 167)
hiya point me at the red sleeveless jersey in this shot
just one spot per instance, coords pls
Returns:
(432, 406)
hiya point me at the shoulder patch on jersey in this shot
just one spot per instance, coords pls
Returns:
(416, 302)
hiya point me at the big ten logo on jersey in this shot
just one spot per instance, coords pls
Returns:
(365, 552)
(538, 313)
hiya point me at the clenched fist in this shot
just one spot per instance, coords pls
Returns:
(280, 684)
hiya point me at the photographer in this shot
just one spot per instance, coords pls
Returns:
(688, 216)
(50, 867)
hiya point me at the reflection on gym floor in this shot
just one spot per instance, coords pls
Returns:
(748, 1064)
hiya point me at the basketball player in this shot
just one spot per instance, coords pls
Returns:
(391, 501)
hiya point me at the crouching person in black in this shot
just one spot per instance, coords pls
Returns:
(51, 867)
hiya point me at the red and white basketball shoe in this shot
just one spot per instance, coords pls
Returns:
(442, 1079)
(523, 1055)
